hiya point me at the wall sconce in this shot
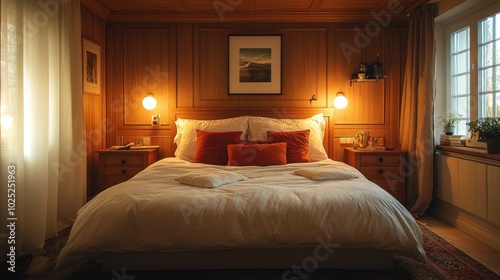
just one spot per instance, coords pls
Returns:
(313, 98)
(149, 102)
(340, 101)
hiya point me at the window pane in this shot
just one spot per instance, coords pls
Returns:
(462, 85)
(460, 77)
(489, 66)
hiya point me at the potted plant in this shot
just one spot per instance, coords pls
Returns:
(487, 130)
(449, 122)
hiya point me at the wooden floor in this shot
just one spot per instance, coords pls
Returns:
(468, 244)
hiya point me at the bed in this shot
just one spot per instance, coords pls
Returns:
(245, 192)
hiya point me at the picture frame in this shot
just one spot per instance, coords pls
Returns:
(91, 67)
(254, 64)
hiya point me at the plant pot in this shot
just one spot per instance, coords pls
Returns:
(493, 146)
(449, 130)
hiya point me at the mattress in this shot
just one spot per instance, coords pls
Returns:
(272, 207)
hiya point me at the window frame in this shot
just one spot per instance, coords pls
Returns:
(452, 21)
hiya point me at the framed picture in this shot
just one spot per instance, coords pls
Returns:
(255, 64)
(91, 67)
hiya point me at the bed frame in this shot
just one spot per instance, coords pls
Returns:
(310, 258)
(255, 258)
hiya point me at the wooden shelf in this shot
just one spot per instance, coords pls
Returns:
(365, 80)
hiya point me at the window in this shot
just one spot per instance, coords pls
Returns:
(489, 66)
(468, 64)
(460, 76)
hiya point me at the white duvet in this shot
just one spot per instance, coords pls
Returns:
(274, 207)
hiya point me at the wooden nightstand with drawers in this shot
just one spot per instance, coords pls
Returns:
(383, 167)
(116, 166)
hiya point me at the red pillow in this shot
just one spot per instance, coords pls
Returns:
(297, 149)
(256, 154)
(211, 147)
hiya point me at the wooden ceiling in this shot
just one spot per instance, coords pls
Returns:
(251, 10)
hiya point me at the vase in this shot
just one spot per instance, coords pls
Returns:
(493, 146)
(449, 130)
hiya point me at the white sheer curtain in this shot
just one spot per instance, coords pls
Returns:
(42, 130)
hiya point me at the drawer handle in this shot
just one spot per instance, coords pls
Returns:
(380, 159)
(124, 171)
(124, 161)
(380, 171)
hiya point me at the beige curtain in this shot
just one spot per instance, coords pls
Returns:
(416, 123)
(43, 138)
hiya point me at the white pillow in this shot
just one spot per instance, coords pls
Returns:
(326, 173)
(316, 124)
(210, 178)
(185, 139)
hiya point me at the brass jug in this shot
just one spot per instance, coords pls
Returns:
(362, 138)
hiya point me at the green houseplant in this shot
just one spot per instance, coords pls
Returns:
(487, 130)
(449, 122)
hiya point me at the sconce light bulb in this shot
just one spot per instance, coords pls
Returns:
(149, 102)
(340, 101)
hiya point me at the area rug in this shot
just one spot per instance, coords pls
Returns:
(444, 261)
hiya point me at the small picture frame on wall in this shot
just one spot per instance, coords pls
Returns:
(254, 64)
(91, 67)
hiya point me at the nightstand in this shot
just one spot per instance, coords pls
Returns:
(383, 167)
(116, 166)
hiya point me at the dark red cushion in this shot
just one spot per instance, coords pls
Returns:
(211, 147)
(297, 149)
(256, 154)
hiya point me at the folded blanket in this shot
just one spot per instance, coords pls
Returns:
(326, 173)
(210, 178)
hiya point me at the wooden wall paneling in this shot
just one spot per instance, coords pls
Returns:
(349, 52)
(366, 104)
(313, 62)
(368, 101)
(145, 70)
(493, 178)
(165, 143)
(114, 99)
(144, 60)
(212, 90)
(303, 68)
(185, 66)
(94, 138)
(93, 28)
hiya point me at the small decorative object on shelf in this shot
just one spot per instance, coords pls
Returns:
(362, 138)
(450, 140)
(363, 71)
(377, 69)
(372, 143)
(449, 122)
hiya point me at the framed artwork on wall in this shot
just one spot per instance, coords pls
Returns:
(91, 67)
(254, 64)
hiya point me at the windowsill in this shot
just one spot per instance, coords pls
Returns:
(477, 152)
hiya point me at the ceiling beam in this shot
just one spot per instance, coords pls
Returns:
(242, 16)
